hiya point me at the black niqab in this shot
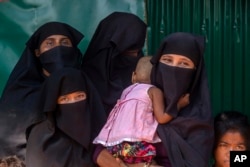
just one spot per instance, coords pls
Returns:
(60, 57)
(19, 100)
(188, 138)
(175, 82)
(64, 137)
(103, 61)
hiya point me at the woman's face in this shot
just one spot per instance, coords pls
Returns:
(51, 42)
(230, 141)
(72, 97)
(177, 60)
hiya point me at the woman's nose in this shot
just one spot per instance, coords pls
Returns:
(232, 148)
(57, 43)
(174, 63)
(228, 151)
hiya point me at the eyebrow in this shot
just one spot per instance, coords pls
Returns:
(51, 38)
(224, 142)
(65, 38)
(187, 59)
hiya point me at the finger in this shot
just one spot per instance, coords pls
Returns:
(187, 95)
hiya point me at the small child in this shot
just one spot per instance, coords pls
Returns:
(130, 131)
(231, 133)
(11, 161)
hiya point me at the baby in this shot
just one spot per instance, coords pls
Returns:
(130, 131)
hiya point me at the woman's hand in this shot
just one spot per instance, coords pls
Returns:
(183, 101)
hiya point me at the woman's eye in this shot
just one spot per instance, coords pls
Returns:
(66, 42)
(63, 100)
(81, 96)
(222, 145)
(166, 60)
(49, 43)
(185, 64)
(241, 148)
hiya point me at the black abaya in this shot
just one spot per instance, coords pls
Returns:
(64, 137)
(19, 101)
(188, 138)
(104, 61)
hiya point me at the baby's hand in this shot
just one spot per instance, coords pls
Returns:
(183, 101)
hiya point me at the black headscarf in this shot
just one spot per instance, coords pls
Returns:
(188, 138)
(19, 98)
(103, 61)
(54, 28)
(64, 137)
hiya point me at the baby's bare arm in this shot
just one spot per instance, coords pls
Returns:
(157, 98)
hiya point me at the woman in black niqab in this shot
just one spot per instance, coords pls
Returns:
(64, 137)
(188, 138)
(19, 100)
(108, 60)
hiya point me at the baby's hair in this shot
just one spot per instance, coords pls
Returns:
(11, 161)
(143, 69)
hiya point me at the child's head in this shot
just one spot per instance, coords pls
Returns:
(11, 161)
(142, 71)
(231, 134)
(232, 121)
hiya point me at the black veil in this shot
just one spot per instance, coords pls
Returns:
(109, 71)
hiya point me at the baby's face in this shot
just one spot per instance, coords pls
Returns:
(72, 97)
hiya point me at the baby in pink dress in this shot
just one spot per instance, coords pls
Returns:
(130, 131)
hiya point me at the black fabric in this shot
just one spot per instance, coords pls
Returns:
(64, 137)
(69, 115)
(187, 46)
(60, 57)
(19, 100)
(54, 28)
(188, 138)
(124, 66)
(104, 61)
(175, 79)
